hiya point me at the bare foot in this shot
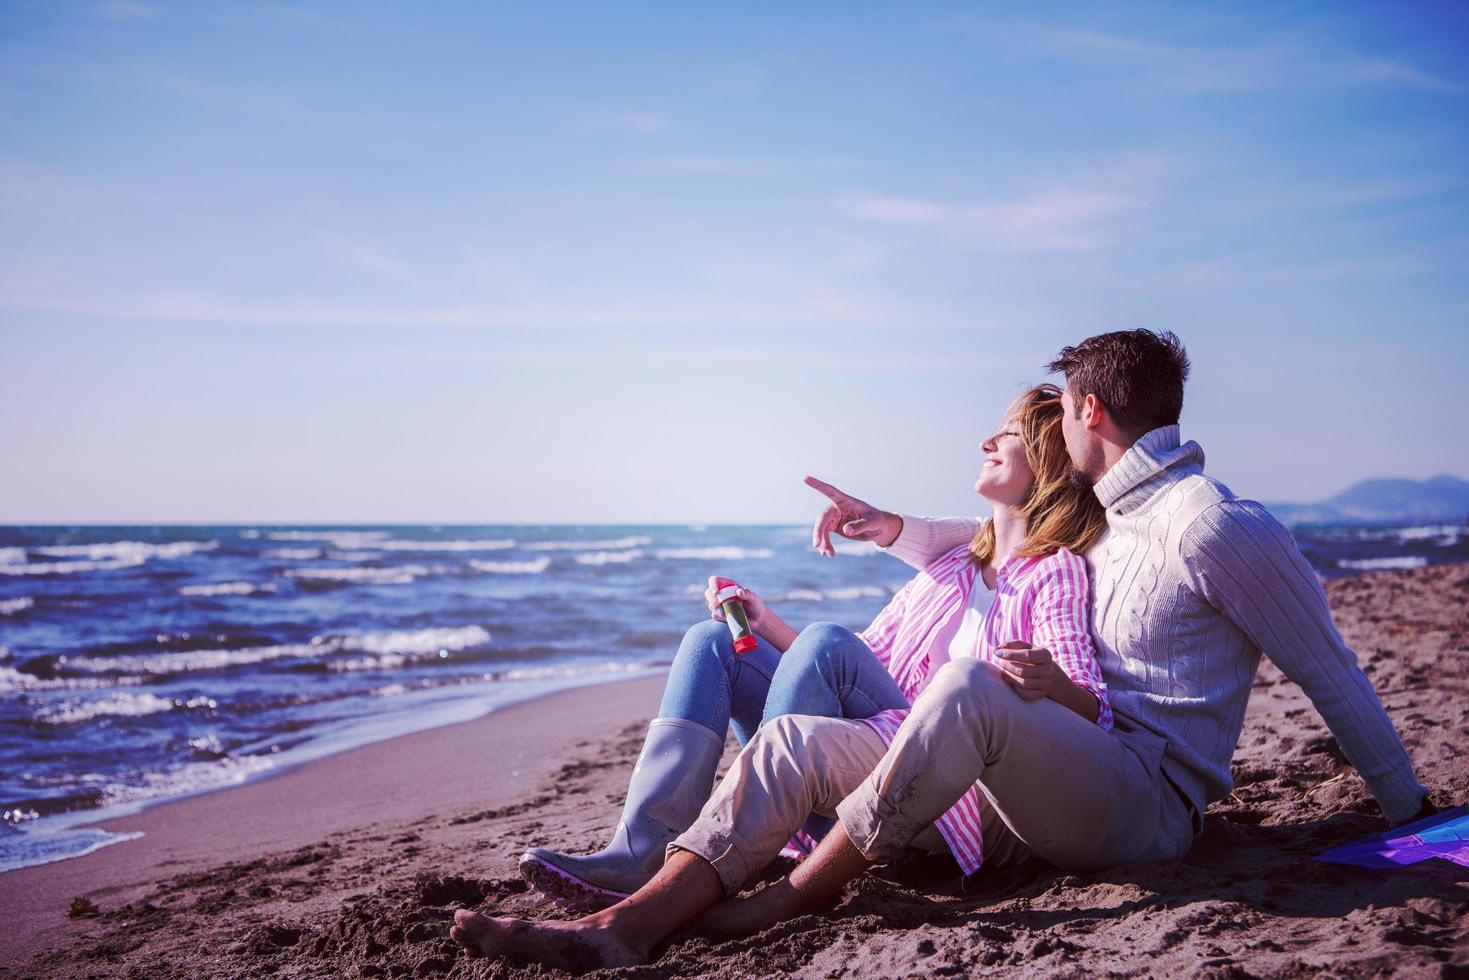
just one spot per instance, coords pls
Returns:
(738, 917)
(575, 947)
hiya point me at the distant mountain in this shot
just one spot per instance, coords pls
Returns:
(1438, 500)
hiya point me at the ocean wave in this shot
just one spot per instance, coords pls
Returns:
(401, 575)
(292, 554)
(425, 641)
(356, 556)
(345, 540)
(1443, 535)
(187, 661)
(69, 567)
(13, 681)
(533, 567)
(608, 557)
(409, 643)
(1381, 564)
(251, 534)
(14, 607)
(127, 550)
(498, 545)
(121, 704)
(716, 553)
(636, 541)
(858, 592)
(191, 777)
(226, 588)
(12, 556)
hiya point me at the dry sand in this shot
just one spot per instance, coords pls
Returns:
(352, 866)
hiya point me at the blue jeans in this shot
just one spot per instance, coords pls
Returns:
(827, 671)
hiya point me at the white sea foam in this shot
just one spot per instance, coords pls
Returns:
(292, 554)
(354, 555)
(13, 681)
(401, 575)
(858, 592)
(121, 704)
(69, 567)
(226, 588)
(432, 640)
(533, 567)
(335, 538)
(14, 607)
(1443, 535)
(191, 777)
(12, 556)
(251, 534)
(1381, 564)
(425, 642)
(717, 553)
(608, 557)
(636, 541)
(187, 661)
(498, 545)
(127, 550)
(386, 662)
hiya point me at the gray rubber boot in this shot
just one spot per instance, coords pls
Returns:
(669, 786)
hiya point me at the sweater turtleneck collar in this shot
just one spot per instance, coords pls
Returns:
(1155, 452)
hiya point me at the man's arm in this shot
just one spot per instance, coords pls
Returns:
(924, 540)
(1245, 564)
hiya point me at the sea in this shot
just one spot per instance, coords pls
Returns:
(140, 664)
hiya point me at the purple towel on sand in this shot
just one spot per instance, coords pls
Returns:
(1443, 835)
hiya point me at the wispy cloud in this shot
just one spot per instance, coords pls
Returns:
(1244, 68)
(814, 308)
(1060, 218)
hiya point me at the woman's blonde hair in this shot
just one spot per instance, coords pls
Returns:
(1058, 513)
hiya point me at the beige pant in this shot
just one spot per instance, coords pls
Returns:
(1051, 783)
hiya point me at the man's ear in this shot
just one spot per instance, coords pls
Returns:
(1093, 412)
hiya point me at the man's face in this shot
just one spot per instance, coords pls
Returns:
(1072, 429)
(1083, 445)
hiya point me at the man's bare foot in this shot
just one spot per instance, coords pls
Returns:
(738, 917)
(575, 947)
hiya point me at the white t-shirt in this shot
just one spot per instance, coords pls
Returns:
(959, 636)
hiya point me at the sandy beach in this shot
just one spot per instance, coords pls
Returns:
(353, 865)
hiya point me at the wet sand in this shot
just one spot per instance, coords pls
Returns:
(353, 865)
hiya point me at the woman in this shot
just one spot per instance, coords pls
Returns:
(1017, 597)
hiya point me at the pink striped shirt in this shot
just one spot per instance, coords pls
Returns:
(1043, 601)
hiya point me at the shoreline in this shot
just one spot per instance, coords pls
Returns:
(328, 742)
(300, 804)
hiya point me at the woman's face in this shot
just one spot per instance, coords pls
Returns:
(1004, 476)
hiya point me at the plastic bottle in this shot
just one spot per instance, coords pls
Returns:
(734, 615)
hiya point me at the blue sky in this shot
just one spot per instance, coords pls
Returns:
(655, 262)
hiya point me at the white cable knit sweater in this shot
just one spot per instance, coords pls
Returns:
(1190, 584)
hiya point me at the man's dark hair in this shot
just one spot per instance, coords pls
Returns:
(1137, 374)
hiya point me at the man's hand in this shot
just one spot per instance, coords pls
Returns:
(1030, 670)
(851, 518)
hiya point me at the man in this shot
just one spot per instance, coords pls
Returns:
(1191, 584)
